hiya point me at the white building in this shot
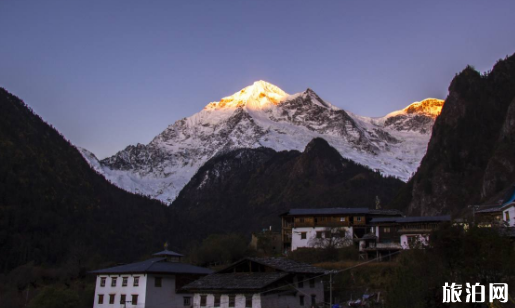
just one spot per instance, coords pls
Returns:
(260, 283)
(315, 228)
(153, 283)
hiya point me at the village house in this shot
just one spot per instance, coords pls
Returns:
(389, 235)
(154, 283)
(327, 226)
(260, 283)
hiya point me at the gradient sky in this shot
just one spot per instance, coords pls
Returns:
(112, 73)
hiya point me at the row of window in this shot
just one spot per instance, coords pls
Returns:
(323, 219)
(158, 281)
(232, 301)
(114, 280)
(323, 234)
(123, 299)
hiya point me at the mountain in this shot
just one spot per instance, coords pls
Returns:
(247, 189)
(54, 208)
(262, 115)
(470, 158)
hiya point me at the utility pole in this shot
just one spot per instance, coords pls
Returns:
(331, 289)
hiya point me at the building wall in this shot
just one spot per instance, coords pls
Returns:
(511, 212)
(311, 233)
(118, 290)
(423, 239)
(164, 296)
(224, 301)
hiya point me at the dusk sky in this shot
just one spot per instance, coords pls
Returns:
(108, 74)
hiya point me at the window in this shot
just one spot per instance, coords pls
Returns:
(122, 299)
(103, 281)
(342, 219)
(124, 281)
(312, 283)
(313, 299)
(319, 234)
(158, 281)
(136, 281)
(217, 301)
(303, 235)
(232, 300)
(300, 282)
(248, 301)
(327, 234)
(113, 282)
(358, 218)
(301, 300)
(507, 215)
(386, 229)
(111, 298)
(134, 299)
(100, 298)
(187, 301)
(301, 219)
(203, 300)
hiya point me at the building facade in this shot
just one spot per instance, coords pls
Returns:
(260, 283)
(154, 283)
(315, 228)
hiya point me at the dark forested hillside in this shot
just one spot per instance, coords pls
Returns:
(54, 206)
(471, 154)
(247, 189)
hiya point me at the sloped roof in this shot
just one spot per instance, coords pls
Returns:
(155, 265)
(489, 210)
(341, 211)
(168, 253)
(288, 265)
(235, 281)
(413, 219)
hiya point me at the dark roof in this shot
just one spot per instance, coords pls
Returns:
(490, 210)
(341, 211)
(412, 219)
(287, 265)
(155, 265)
(235, 281)
(168, 253)
(369, 236)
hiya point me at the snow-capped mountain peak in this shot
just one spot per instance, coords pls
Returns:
(429, 106)
(263, 115)
(259, 95)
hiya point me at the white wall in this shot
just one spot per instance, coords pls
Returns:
(511, 211)
(164, 296)
(311, 233)
(423, 239)
(224, 301)
(118, 290)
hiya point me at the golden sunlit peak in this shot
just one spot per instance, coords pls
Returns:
(259, 95)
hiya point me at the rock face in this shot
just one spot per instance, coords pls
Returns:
(247, 189)
(470, 158)
(262, 115)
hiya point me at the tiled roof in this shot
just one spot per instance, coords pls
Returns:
(490, 210)
(442, 218)
(155, 265)
(341, 211)
(235, 281)
(288, 265)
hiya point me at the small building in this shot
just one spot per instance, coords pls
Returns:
(154, 283)
(260, 283)
(391, 234)
(327, 226)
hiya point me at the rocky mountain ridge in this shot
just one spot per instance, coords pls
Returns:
(262, 115)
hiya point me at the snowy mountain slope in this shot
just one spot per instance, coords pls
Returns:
(264, 115)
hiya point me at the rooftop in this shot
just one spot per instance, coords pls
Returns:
(341, 211)
(235, 281)
(287, 265)
(155, 265)
(413, 219)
